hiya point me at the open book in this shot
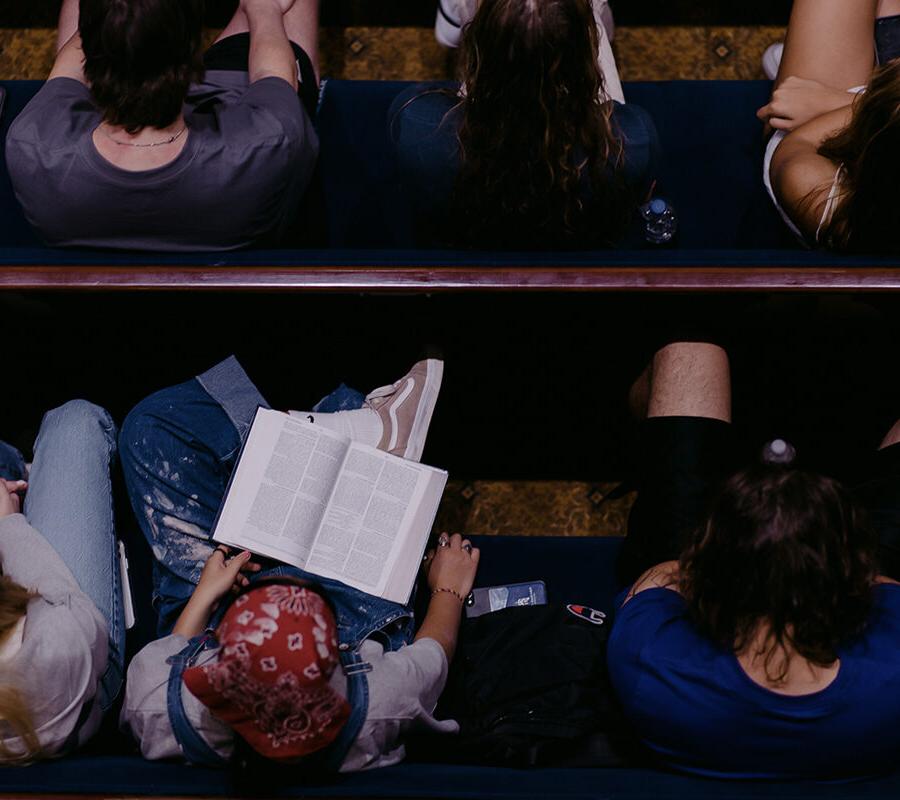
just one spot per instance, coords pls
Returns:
(313, 498)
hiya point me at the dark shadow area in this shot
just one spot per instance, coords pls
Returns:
(700, 12)
(533, 385)
(389, 13)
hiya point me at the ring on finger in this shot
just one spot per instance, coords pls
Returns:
(443, 541)
(468, 547)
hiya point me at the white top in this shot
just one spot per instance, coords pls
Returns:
(63, 649)
(404, 687)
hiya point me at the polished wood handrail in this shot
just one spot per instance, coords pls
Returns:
(448, 279)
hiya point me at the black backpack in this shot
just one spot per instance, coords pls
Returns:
(528, 687)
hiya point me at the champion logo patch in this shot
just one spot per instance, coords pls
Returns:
(586, 612)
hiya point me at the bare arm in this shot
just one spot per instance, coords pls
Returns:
(450, 578)
(219, 576)
(69, 61)
(801, 177)
(798, 101)
(271, 54)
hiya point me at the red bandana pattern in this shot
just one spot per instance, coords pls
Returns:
(270, 680)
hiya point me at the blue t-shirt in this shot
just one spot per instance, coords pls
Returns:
(695, 707)
(423, 125)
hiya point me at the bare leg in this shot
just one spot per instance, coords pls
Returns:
(301, 23)
(892, 437)
(830, 41)
(888, 8)
(690, 379)
(639, 394)
(679, 462)
(67, 26)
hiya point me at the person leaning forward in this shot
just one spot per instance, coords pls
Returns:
(138, 140)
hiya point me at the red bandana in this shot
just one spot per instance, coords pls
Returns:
(270, 680)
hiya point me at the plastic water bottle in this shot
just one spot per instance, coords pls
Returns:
(660, 221)
(778, 451)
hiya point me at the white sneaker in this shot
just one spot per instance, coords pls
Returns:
(405, 409)
(771, 60)
(452, 17)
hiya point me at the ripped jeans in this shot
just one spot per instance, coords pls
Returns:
(178, 448)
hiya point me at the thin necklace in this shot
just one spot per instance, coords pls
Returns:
(151, 144)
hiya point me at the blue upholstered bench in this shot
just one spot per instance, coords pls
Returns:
(575, 570)
(730, 237)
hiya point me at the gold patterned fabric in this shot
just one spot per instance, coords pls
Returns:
(659, 53)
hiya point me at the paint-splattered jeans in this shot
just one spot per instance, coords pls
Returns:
(178, 448)
(69, 501)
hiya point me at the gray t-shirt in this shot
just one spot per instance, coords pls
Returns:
(249, 155)
(65, 644)
(404, 687)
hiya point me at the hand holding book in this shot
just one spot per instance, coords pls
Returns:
(451, 574)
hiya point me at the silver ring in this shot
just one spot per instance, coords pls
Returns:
(443, 542)
(468, 548)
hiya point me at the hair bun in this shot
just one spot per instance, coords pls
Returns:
(779, 451)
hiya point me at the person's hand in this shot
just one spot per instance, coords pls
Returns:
(799, 100)
(283, 6)
(10, 500)
(454, 565)
(222, 574)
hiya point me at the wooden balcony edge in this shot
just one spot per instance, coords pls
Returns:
(431, 279)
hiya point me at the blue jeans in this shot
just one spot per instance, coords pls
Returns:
(178, 449)
(69, 501)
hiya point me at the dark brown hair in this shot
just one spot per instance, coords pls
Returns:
(787, 548)
(867, 215)
(538, 147)
(140, 56)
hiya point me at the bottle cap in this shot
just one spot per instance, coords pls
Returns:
(658, 205)
(778, 451)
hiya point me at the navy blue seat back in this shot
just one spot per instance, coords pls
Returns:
(712, 163)
(14, 230)
(711, 168)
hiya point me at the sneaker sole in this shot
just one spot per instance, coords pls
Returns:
(434, 375)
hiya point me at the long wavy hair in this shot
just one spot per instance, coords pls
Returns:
(539, 150)
(14, 712)
(867, 215)
(784, 548)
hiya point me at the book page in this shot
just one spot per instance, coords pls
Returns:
(281, 486)
(408, 557)
(369, 519)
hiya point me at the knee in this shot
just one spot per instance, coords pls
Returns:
(690, 379)
(82, 419)
(689, 353)
(689, 363)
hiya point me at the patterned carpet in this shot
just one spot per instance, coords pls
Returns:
(533, 508)
(644, 53)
